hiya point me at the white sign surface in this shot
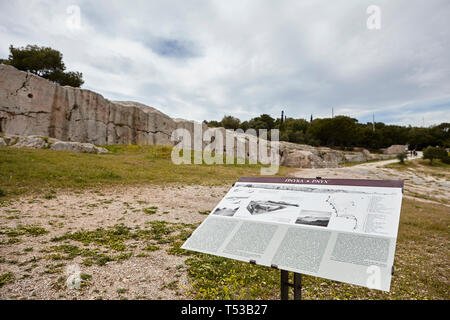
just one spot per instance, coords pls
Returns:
(339, 229)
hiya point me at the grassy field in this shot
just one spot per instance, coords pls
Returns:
(422, 260)
(24, 170)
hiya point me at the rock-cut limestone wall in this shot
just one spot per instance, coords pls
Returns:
(31, 105)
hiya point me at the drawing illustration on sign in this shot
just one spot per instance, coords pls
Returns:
(265, 206)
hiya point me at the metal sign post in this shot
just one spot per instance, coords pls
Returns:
(285, 284)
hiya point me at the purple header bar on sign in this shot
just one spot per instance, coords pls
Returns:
(323, 181)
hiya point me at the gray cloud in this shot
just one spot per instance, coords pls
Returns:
(204, 59)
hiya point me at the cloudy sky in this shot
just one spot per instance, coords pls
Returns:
(203, 59)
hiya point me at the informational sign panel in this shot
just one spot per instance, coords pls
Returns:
(339, 229)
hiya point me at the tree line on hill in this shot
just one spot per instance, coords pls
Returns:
(343, 132)
(340, 131)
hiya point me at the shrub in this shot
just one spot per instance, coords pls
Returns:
(402, 157)
(432, 153)
(6, 278)
(446, 159)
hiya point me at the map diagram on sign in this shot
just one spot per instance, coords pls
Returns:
(346, 212)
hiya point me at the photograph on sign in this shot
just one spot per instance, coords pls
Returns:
(339, 229)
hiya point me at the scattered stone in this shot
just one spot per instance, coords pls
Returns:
(396, 149)
(39, 142)
(77, 147)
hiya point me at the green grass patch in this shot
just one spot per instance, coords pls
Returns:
(94, 257)
(91, 256)
(54, 268)
(28, 230)
(25, 170)
(220, 278)
(121, 290)
(59, 284)
(113, 237)
(150, 210)
(5, 278)
(151, 247)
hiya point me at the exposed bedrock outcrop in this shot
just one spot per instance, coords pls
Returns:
(40, 142)
(296, 155)
(33, 106)
(396, 149)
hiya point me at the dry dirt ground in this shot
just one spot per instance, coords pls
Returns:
(157, 275)
(34, 272)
